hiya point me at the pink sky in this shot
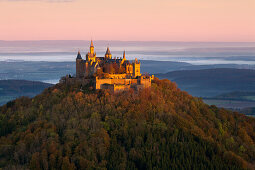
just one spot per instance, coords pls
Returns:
(143, 20)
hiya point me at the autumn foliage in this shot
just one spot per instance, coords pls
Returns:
(74, 127)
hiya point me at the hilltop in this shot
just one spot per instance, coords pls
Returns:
(75, 127)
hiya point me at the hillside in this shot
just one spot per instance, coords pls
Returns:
(11, 89)
(213, 82)
(74, 127)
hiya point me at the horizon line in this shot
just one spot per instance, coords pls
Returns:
(137, 41)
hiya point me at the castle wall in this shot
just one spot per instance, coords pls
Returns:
(111, 84)
(117, 76)
(145, 81)
(115, 87)
(108, 87)
(99, 82)
(74, 80)
(134, 81)
(120, 87)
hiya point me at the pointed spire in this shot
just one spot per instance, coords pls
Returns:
(108, 50)
(124, 54)
(91, 44)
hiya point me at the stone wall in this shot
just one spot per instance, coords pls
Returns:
(115, 87)
(121, 87)
(74, 80)
(117, 76)
(146, 82)
(99, 82)
(112, 84)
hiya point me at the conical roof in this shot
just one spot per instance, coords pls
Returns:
(108, 51)
(79, 55)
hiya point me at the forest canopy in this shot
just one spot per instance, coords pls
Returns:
(75, 127)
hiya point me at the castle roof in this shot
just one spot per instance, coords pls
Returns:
(108, 51)
(79, 55)
(124, 54)
(113, 61)
(91, 44)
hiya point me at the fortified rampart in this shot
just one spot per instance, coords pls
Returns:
(112, 84)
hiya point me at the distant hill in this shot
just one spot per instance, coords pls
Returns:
(243, 102)
(52, 71)
(152, 67)
(74, 127)
(11, 89)
(35, 70)
(237, 95)
(212, 82)
(155, 67)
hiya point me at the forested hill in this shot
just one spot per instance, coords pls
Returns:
(73, 127)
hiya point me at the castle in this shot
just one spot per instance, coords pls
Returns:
(107, 72)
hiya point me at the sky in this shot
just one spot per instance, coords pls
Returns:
(128, 20)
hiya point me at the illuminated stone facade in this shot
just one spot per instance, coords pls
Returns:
(106, 72)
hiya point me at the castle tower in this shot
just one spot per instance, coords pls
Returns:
(79, 66)
(124, 55)
(108, 54)
(136, 68)
(91, 47)
(91, 55)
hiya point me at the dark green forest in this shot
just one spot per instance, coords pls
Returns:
(74, 127)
